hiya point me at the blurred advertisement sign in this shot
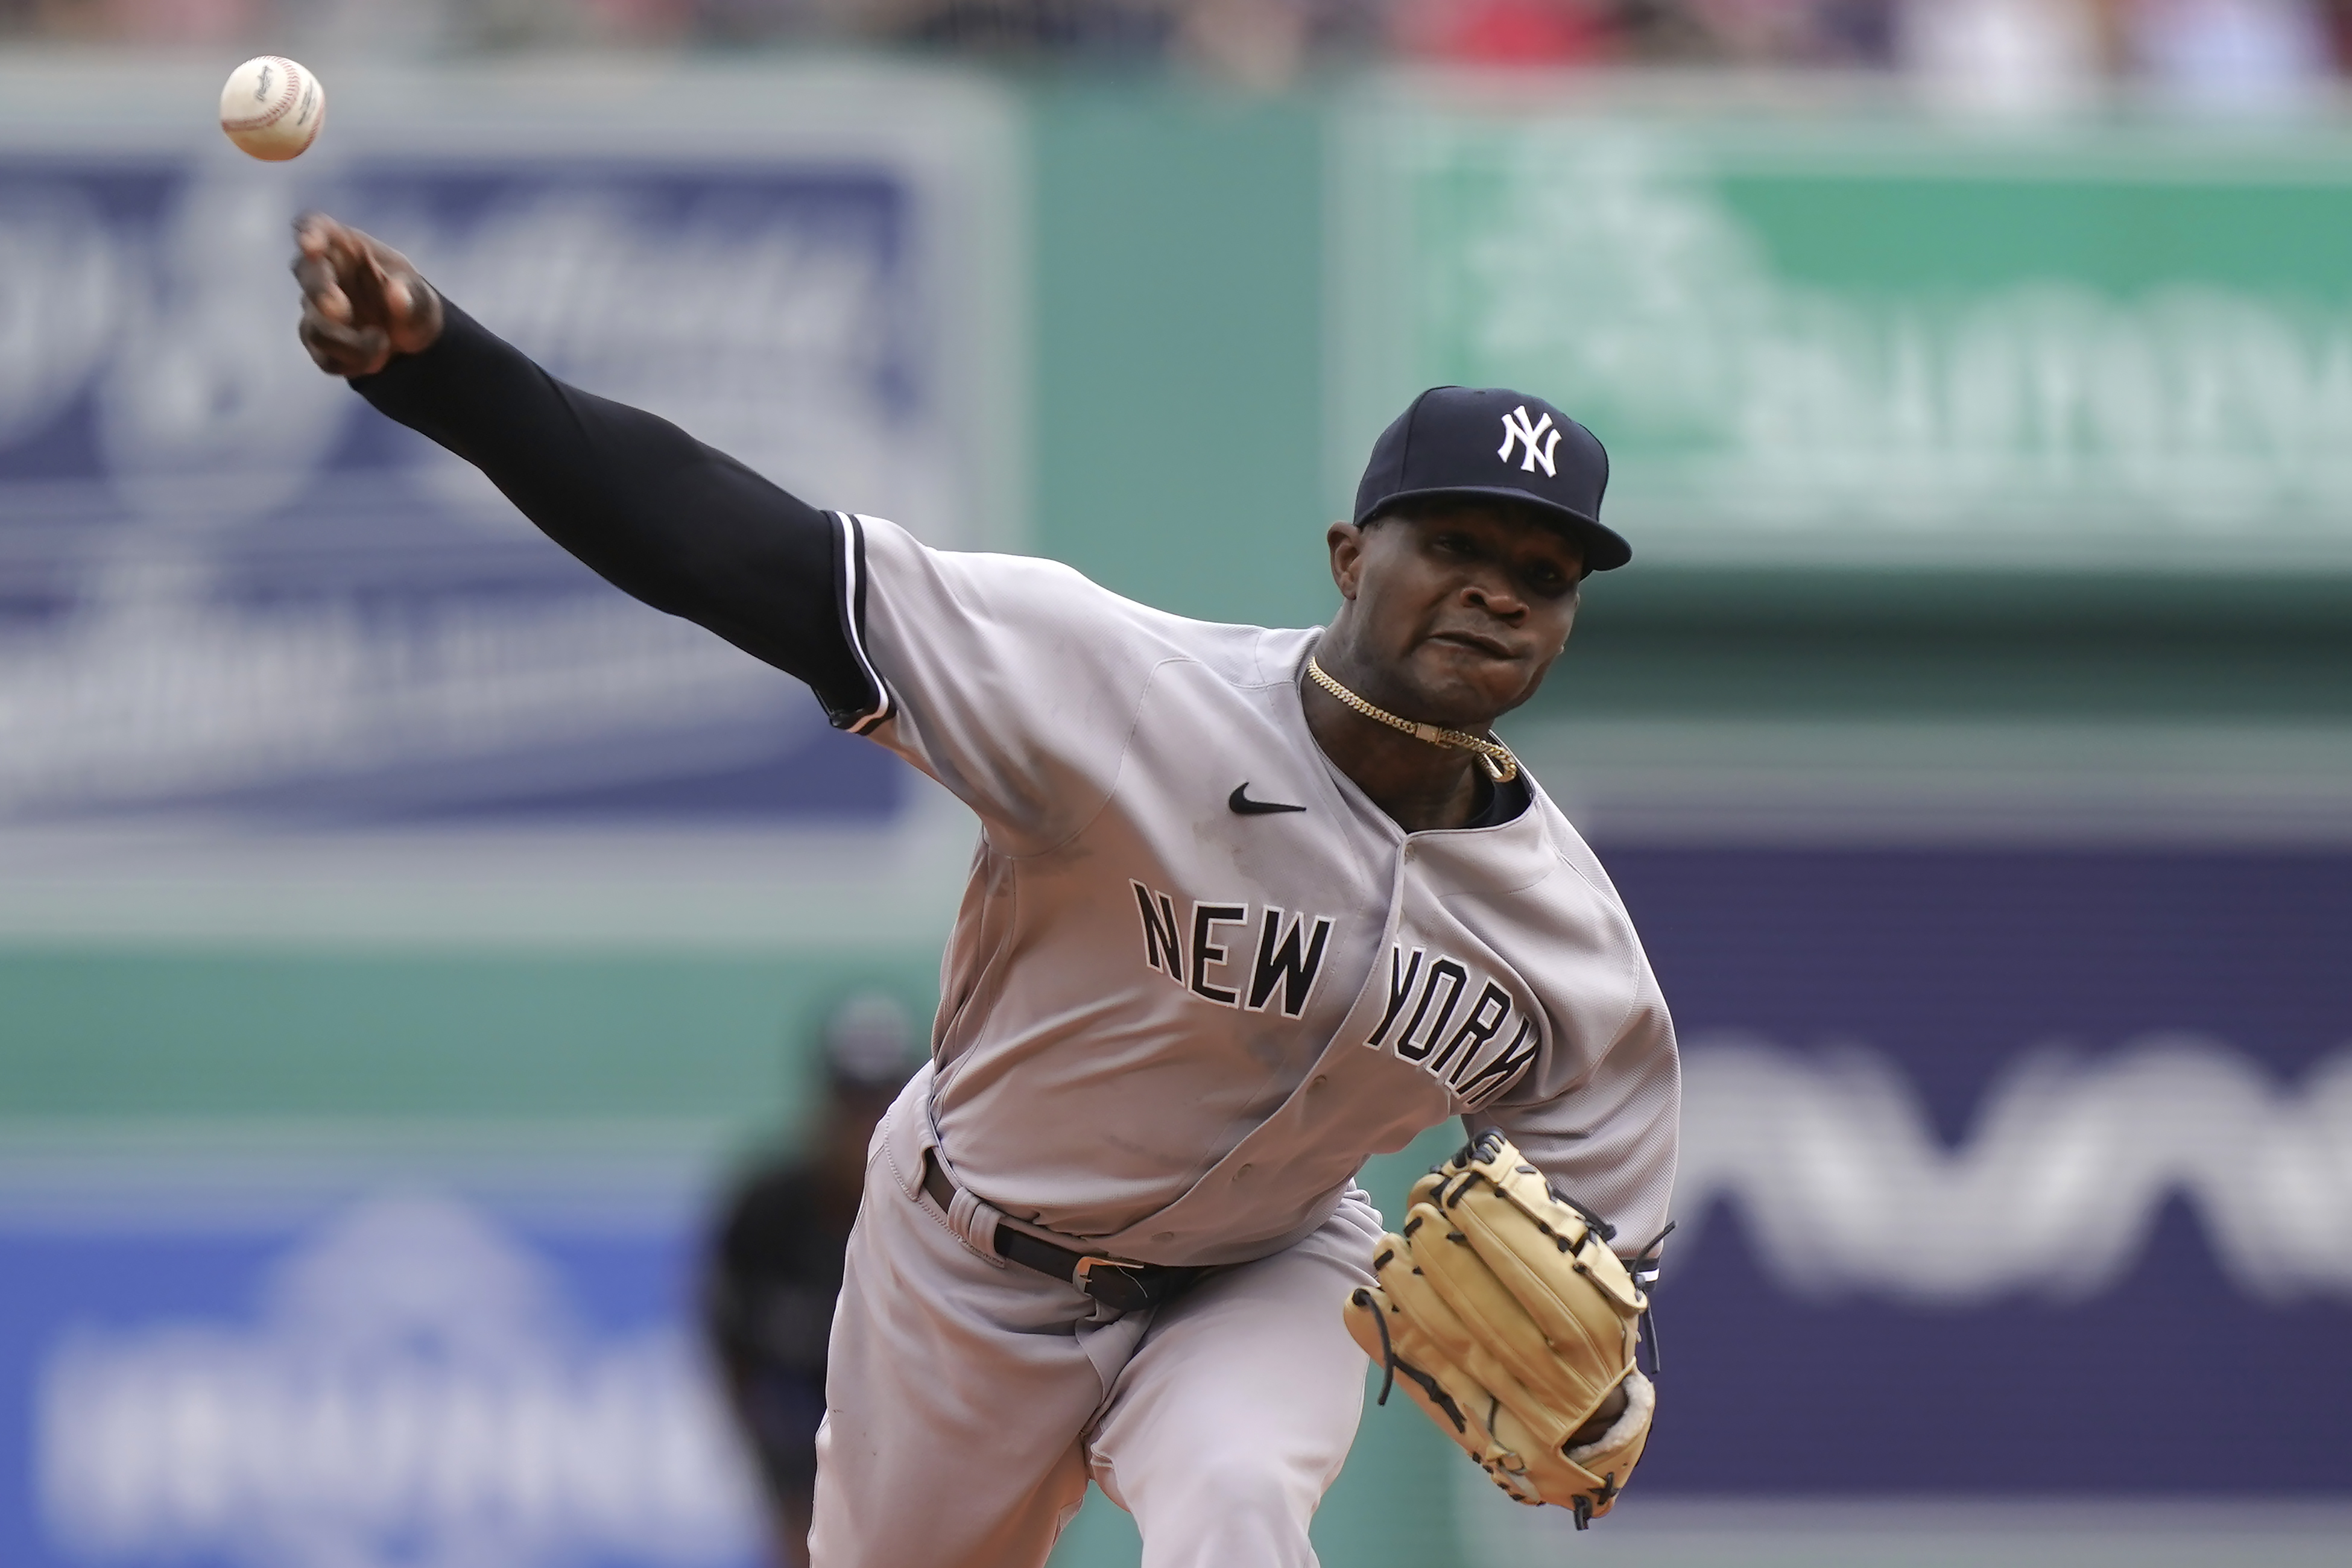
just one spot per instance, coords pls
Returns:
(414, 1380)
(234, 600)
(2005, 1173)
(247, 590)
(1880, 339)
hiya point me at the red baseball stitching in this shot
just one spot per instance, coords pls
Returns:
(277, 111)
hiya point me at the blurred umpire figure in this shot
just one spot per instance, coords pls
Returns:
(775, 1264)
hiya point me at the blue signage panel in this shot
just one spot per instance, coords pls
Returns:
(228, 589)
(2007, 1173)
(406, 1380)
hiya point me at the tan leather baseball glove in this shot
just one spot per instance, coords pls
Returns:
(1510, 1321)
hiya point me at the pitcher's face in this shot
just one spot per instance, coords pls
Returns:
(1453, 611)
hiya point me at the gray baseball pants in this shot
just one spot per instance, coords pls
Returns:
(970, 1400)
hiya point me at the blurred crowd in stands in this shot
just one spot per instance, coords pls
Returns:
(2221, 51)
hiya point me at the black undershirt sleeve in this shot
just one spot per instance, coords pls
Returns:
(1504, 803)
(654, 511)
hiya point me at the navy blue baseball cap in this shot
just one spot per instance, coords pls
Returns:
(1485, 443)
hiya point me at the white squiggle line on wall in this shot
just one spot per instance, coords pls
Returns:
(1844, 1185)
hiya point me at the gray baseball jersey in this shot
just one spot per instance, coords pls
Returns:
(1173, 1022)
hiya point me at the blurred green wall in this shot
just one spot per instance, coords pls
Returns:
(1179, 363)
(697, 1040)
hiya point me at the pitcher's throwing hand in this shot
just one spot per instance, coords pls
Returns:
(362, 301)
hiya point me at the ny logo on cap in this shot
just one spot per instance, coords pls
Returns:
(1517, 430)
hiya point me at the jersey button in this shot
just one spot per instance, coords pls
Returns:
(1242, 1171)
(1318, 1080)
(1409, 850)
(1165, 1236)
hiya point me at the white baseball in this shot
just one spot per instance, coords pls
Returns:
(272, 107)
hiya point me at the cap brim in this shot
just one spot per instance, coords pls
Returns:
(1604, 549)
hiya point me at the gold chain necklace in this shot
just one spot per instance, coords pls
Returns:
(1501, 766)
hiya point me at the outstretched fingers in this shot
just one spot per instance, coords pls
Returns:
(362, 301)
(322, 290)
(341, 349)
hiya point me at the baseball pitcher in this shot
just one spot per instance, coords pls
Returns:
(1247, 906)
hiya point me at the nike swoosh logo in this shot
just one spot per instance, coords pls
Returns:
(1244, 806)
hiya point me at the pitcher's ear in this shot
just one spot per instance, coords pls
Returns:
(1346, 540)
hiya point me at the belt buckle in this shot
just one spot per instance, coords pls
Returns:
(1113, 1283)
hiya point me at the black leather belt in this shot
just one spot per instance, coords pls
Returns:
(1122, 1287)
